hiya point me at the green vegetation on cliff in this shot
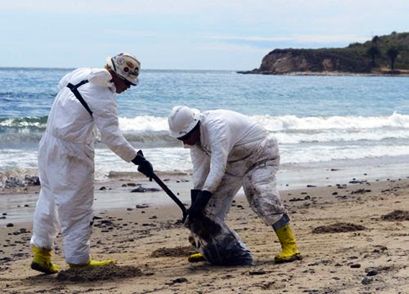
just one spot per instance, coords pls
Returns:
(382, 48)
(382, 54)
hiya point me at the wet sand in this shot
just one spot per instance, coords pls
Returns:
(353, 236)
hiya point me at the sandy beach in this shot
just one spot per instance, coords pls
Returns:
(353, 237)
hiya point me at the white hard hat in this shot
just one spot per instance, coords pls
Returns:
(182, 120)
(126, 66)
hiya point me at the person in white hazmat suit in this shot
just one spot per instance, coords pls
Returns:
(229, 151)
(86, 99)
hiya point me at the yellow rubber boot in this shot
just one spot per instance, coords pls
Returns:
(93, 263)
(196, 257)
(289, 250)
(42, 261)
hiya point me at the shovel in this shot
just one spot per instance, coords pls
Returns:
(171, 195)
(169, 192)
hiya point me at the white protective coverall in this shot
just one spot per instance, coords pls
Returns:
(66, 161)
(234, 151)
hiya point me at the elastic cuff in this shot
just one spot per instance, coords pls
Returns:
(77, 259)
(284, 220)
(41, 243)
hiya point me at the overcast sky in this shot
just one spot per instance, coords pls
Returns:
(185, 34)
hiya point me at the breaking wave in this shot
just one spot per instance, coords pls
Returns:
(289, 129)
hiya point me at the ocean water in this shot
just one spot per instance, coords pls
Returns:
(319, 121)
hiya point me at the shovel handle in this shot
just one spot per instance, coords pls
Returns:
(171, 195)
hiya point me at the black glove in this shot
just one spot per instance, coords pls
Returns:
(193, 195)
(144, 166)
(199, 204)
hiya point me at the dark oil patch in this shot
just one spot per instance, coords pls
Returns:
(173, 252)
(338, 228)
(101, 273)
(396, 215)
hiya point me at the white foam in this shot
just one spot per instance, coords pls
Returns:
(286, 122)
(178, 159)
(143, 123)
(291, 122)
(302, 140)
(323, 136)
(24, 123)
(328, 153)
(291, 129)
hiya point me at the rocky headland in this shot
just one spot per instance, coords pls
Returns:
(387, 54)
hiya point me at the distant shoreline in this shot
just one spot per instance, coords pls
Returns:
(329, 73)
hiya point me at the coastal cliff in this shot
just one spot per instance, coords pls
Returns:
(384, 54)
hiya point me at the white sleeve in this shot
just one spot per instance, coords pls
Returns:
(106, 120)
(219, 138)
(201, 165)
